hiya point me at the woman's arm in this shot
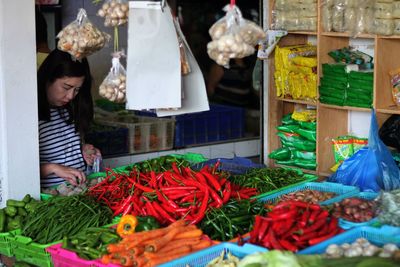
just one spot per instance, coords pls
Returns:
(71, 175)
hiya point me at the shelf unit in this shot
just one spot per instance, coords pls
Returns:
(332, 121)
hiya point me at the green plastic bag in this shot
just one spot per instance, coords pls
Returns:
(308, 125)
(297, 154)
(367, 85)
(307, 134)
(300, 144)
(287, 119)
(288, 128)
(282, 153)
(306, 164)
(362, 75)
(331, 100)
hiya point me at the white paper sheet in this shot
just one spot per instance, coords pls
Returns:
(194, 88)
(153, 61)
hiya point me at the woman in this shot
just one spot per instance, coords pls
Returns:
(65, 112)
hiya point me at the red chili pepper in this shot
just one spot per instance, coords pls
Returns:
(216, 198)
(283, 216)
(299, 204)
(274, 242)
(216, 165)
(317, 240)
(175, 168)
(314, 227)
(152, 212)
(266, 240)
(128, 209)
(222, 181)
(264, 226)
(324, 214)
(153, 180)
(200, 178)
(226, 193)
(333, 224)
(123, 205)
(313, 216)
(200, 214)
(256, 229)
(288, 245)
(240, 195)
(305, 237)
(304, 218)
(212, 180)
(285, 226)
(163, 212)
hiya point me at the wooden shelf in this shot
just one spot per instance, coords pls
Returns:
(345, 107)
(389, 110)
(303, 170)
(325, 174)
(389, 36)
(297, 101)
(304, 33)
(346, 34)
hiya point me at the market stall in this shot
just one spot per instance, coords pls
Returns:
(321, 201)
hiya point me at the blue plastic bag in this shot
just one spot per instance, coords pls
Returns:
(372, 168)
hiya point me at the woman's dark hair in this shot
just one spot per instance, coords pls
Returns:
(59, 64)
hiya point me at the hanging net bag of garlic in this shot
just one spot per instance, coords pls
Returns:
(81, 38)
(233, 37)
(113, 86)
(114, 12)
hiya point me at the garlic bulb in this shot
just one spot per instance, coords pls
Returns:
(114, 88)
(114, 12)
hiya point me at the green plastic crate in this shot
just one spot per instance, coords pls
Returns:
(26, 250)
(5, 245)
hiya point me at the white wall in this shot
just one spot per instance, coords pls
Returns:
(19, 150)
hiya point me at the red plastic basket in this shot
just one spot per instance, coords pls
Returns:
(65, 258)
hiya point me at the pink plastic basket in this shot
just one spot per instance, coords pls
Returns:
(65, 258)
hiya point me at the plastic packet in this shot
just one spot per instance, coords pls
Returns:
(384, 26)
(114, 12)
(326, 16)
(396, 9)
(383, 10)
(268, 45)
(342, 148)
(233, 37)
(113, 86)
(338, 19)
(81, 38)
(396, 26)
(364, 22)
(302, 114)
(395, 81)
(389, 208)
(185, 66)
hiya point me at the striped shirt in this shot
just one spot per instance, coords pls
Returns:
(59, 143)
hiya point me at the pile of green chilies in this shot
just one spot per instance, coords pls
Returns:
(64, 216)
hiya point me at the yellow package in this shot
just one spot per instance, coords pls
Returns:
(300, 69)
(310, 62)
(305, 115)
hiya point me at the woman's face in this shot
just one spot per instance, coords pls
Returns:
(63, 90)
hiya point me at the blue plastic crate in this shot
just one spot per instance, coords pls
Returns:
(202, 257)
(345, 224)
(376, 236)
(236, 165)
(219, 123)
(342, 191)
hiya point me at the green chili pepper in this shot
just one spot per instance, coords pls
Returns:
(2, 220)
(146, 223)
(11, 211)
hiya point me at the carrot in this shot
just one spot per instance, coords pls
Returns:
(165, 257)
(111, 248)
(145, 235)
(189, 234)
(125, 259)
(139, 261)
(179, 243)
(158, 254)
(137, 250)
(156, 244)
(106, 259)
(202, 244)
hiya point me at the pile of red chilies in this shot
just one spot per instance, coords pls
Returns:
(293, 225)
(180, 193)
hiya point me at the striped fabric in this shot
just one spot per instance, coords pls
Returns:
(59, 143)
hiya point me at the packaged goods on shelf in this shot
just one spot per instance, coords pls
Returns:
(295, 71)
(298, 140)
(295, 16)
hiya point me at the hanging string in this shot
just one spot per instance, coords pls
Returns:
(116, 45)
(233, 2)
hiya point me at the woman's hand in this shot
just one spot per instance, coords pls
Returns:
(90, 153)
(71, 175)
